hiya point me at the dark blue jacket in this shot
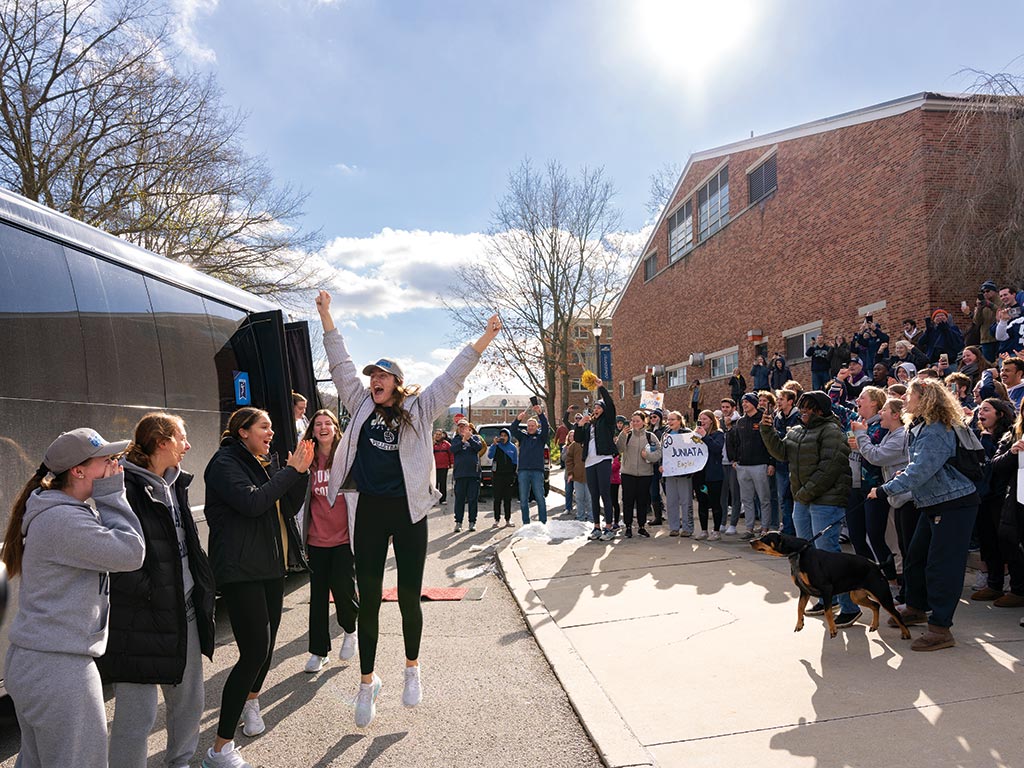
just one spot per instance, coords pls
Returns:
(712, 472)
(467, 456)
(531, 447)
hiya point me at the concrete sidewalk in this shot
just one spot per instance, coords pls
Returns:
(677, 652)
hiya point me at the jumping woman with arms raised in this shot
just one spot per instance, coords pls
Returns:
(387, 455)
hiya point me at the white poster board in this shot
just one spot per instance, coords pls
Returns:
(681, 455)
(651, 400)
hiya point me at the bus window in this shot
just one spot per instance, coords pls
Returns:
(121, 351)
(190, 377)
(41, 344)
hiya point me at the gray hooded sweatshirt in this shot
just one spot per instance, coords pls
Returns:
(69, 550)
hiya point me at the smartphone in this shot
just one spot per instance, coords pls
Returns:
(869, 318)
(534, 400)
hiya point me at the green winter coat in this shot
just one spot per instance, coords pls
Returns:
(819, 460)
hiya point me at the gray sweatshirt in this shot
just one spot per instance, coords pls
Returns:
(69, 550)
(415, 446)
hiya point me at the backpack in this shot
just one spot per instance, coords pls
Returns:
(970, 458)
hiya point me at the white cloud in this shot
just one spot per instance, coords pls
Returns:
(187, 14)
(347, 170)
(395, 270)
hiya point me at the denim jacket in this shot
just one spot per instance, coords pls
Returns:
(928, 478)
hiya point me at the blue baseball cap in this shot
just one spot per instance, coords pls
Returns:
(388, 366)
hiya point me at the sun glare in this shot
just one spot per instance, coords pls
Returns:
(691, 42)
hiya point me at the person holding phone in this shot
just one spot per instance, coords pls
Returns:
(63, 549)
(532, 442)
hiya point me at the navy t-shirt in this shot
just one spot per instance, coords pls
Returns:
(377, 468)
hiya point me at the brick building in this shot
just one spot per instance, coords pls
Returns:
(497, 409)
(767, 241)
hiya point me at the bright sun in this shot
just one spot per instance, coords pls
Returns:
(690, 41)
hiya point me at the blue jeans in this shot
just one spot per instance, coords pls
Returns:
(467, 491)
(818, 381)
(785, 493)
(937, 556)
(811, 518)
(581, 493)
(532, 479)
(570, 496)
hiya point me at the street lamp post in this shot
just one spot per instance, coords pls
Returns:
(470, 405)
(597, 350)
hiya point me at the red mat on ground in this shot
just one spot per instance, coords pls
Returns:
(429, 593)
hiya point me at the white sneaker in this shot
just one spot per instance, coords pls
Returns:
(348, 646)
(701, 536)
(228, 757)
(316, 663)
(366, 702)
(412, 694)
(252, 721)
(981, 580)
(715, 536)
(730, 531)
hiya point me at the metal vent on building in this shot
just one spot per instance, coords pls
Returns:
(762, 180)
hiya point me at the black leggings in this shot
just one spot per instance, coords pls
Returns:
(442, 483)
(867, 519)
(332, 571)
(380, 519)
(636, 493)
(599, 482)
(503, 489)
(709, 499)
(254, 608)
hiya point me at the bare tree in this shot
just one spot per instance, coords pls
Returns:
(663, 182)
(97, 121)
(552, 261)
(977, 224)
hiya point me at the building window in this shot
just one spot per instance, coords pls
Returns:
(650, 266)
(677, 377)
(796, 346)
(762, 180)
(680, 231)
(713, 204)
(581, 331)
(622, 390)
(723, 365)
(576, 386)
(638, 387)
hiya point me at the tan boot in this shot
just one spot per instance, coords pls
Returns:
(935, 639)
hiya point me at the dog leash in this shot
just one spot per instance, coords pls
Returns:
(830, 526)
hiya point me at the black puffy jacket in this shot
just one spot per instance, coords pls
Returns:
(148, 634)
(241, 509)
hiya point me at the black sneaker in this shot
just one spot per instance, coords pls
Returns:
(458, 527)
(818, 609)
(656, 521)
(629, 533)
(643, 532)
(848, 619)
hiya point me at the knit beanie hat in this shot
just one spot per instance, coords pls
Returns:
(751, 398)
(939, 311)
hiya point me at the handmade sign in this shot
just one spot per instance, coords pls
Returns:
(682, 455)
(651, 400)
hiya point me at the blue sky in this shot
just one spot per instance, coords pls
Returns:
(403, 119)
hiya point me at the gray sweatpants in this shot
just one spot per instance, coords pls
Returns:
(58, 698)
(135, 713)
(679, 502)
(753, 481)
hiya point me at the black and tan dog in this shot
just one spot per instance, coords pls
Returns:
(821, 574)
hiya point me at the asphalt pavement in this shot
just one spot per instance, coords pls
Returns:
(490, 696)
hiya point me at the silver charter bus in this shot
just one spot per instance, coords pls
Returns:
(95, 331)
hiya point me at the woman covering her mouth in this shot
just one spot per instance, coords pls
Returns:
(387, 455)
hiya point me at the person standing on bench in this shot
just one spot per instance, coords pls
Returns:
(387, 455)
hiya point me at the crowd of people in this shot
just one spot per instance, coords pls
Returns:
(122, 591)
(882, 438)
